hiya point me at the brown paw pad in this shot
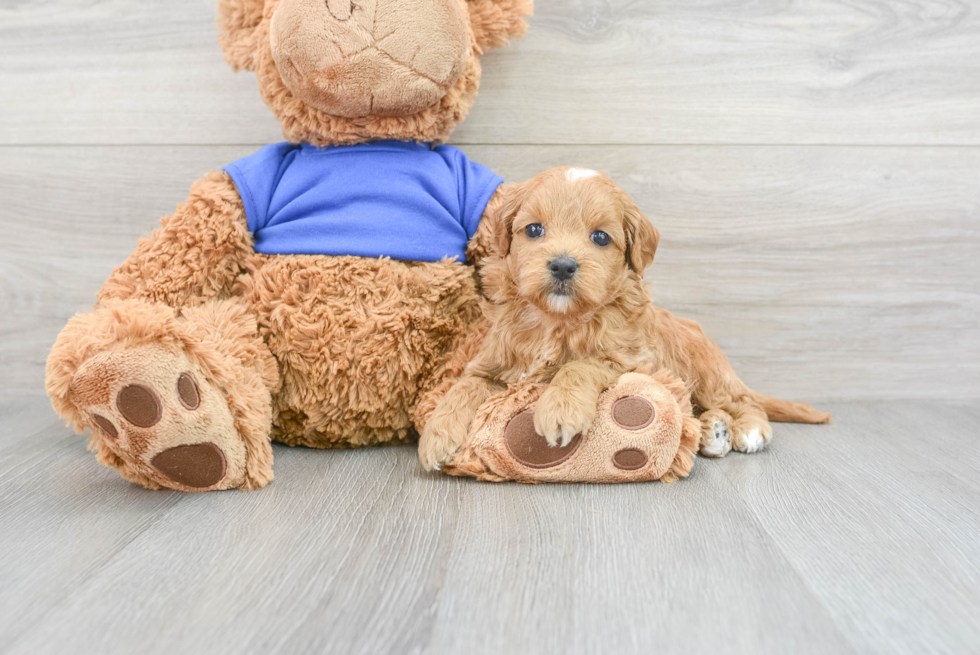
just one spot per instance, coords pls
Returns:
(197, 465)
(139, 405)
(106, 425)
(633, 413)
(530, 448)
(187, 392)
(630, 459)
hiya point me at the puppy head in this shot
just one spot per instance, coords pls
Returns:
(569, 241)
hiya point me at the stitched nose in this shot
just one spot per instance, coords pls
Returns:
(563, 268)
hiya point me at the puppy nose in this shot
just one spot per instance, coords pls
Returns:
(563, 268)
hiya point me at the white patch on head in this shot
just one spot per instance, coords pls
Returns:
(559, 304)
(573, 174)
(719, 444)
(752, 441)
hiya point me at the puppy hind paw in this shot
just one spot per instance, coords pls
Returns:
(716, 440)
(750, 442)
(751, 438)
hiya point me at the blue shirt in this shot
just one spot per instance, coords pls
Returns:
(386, 198)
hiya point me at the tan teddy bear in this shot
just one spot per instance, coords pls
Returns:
(309, 293)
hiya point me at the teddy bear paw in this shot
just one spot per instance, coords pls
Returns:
(641, 429)
(151, 408)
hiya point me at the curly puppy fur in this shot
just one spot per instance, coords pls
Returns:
(580, 327)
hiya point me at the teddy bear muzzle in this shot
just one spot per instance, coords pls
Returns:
(370, 57)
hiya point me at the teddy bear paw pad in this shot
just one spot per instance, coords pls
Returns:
(530, 448)
(197, 465)
(633, 412)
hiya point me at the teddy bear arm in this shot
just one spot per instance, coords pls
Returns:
(195, 254)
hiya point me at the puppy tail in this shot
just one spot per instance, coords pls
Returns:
(783, 411)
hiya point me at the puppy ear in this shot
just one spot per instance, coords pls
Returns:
(503, 214)
(237, 22)
(496, 21)
(641, 237)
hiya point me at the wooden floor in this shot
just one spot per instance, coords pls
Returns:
(860, 537)
(814, 170)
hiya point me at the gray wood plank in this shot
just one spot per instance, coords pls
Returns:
(618, 71)
(879, 515)
(854, 537)
(357, 552)
(64, 517)
(24, 414)
(623, 569)
(833, 272)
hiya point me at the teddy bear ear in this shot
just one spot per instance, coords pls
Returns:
(496, 21)
(237, 22)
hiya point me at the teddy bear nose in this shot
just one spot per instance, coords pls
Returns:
(563, 268)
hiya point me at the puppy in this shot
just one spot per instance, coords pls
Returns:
(567, 306)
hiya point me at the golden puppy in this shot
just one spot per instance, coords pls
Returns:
(567, 304)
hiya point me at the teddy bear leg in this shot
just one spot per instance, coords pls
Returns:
(642, 430)
(179, 399)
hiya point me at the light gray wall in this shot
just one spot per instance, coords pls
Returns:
(814, 167)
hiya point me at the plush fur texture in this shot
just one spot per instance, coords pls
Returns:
(131, 341)
(581, 331)
(317, 351)
(370, 58)
(246, 39)
(669, 443)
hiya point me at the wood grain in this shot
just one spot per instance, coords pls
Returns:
(879, 515)
(834, 272)
(846, 538)
(589, 71)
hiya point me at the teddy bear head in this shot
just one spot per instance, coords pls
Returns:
(338, 72)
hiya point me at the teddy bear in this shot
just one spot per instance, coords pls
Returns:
(311, 293)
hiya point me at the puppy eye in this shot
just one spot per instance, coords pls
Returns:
(534, 230)
(600, 238)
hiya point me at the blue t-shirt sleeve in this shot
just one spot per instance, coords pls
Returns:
(475, 184)
(256, 178)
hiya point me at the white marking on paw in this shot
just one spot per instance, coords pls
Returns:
(719, 445)
(753, 441)
(573, 174)
(559, 304)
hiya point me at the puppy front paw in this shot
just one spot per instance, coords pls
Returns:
(558, 417)
(438, 444)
